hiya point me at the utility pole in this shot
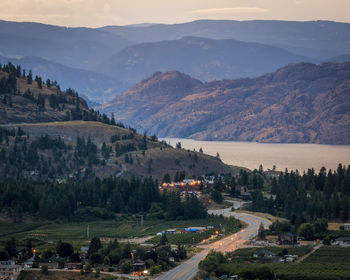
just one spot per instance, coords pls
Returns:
(88, 231)
(141, 220)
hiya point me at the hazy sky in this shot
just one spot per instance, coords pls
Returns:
(95, 13)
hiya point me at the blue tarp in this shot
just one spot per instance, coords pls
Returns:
(192, 229)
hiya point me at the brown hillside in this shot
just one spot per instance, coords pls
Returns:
(26, 109)
(303, 103)
(156, 160)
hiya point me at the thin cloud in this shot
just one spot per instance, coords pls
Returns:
(236, 10)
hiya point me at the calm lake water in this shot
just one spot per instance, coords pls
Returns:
(291, 156)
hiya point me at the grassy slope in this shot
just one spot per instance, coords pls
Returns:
(25, 110)
(157, 161)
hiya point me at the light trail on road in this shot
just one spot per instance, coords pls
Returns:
(188, 269)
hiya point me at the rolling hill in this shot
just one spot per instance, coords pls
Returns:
(299, 103)
(202, 58)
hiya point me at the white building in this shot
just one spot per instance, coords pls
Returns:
(347, 226)
(9, 270)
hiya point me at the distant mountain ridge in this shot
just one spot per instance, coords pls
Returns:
(339, 58)
(317, 39)
(74, 47)
(202, 58)
(299, 103)
(96, 86)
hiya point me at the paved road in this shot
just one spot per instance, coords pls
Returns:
(189, 269)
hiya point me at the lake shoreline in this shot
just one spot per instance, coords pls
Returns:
(293, 156)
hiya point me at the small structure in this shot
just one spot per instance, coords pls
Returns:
(75, 266)
(139, 268)
(347, 226)
(343, 241)
(266, 256)
(187, 185)
(287, 238)
(243, 192)
(28, 263)
(9, 270)
(49, 265)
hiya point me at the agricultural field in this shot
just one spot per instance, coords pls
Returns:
(179, 238)
(328, 262)
(225, 226)
(124, 227)
(245, 255)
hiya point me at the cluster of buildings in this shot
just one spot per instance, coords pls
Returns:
(266, 256)
(187, 186)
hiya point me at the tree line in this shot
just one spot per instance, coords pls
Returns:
(52, 200)
(307, 197)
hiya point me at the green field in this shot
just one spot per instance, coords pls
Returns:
(222, 225)
(123, 228)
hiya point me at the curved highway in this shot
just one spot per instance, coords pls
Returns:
(188, 269)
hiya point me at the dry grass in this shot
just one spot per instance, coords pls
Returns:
(334, 226)
(262, 215)
(156, 161)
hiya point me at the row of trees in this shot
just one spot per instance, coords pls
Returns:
(51, 200)
(307, 197)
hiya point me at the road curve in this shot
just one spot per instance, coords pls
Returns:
(188, 269)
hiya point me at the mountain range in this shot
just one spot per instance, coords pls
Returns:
(299, 103)
(316, 39)
(205, 49)
(75, 47)
(202, 58)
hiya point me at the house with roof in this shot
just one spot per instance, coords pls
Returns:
(343, 241)
(9, 270)
(287, 238)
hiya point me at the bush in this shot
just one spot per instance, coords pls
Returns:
(126, 267)
(96, 258)
(156, 269)
(306, 230)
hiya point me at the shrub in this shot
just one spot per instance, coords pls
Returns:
(126, 267)
(156, 269)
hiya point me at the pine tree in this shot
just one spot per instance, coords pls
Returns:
(30, 77)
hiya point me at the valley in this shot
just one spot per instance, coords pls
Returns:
(172, 140)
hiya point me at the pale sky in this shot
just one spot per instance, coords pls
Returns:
(96, 13)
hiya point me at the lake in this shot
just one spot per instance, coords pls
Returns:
(252, 154)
